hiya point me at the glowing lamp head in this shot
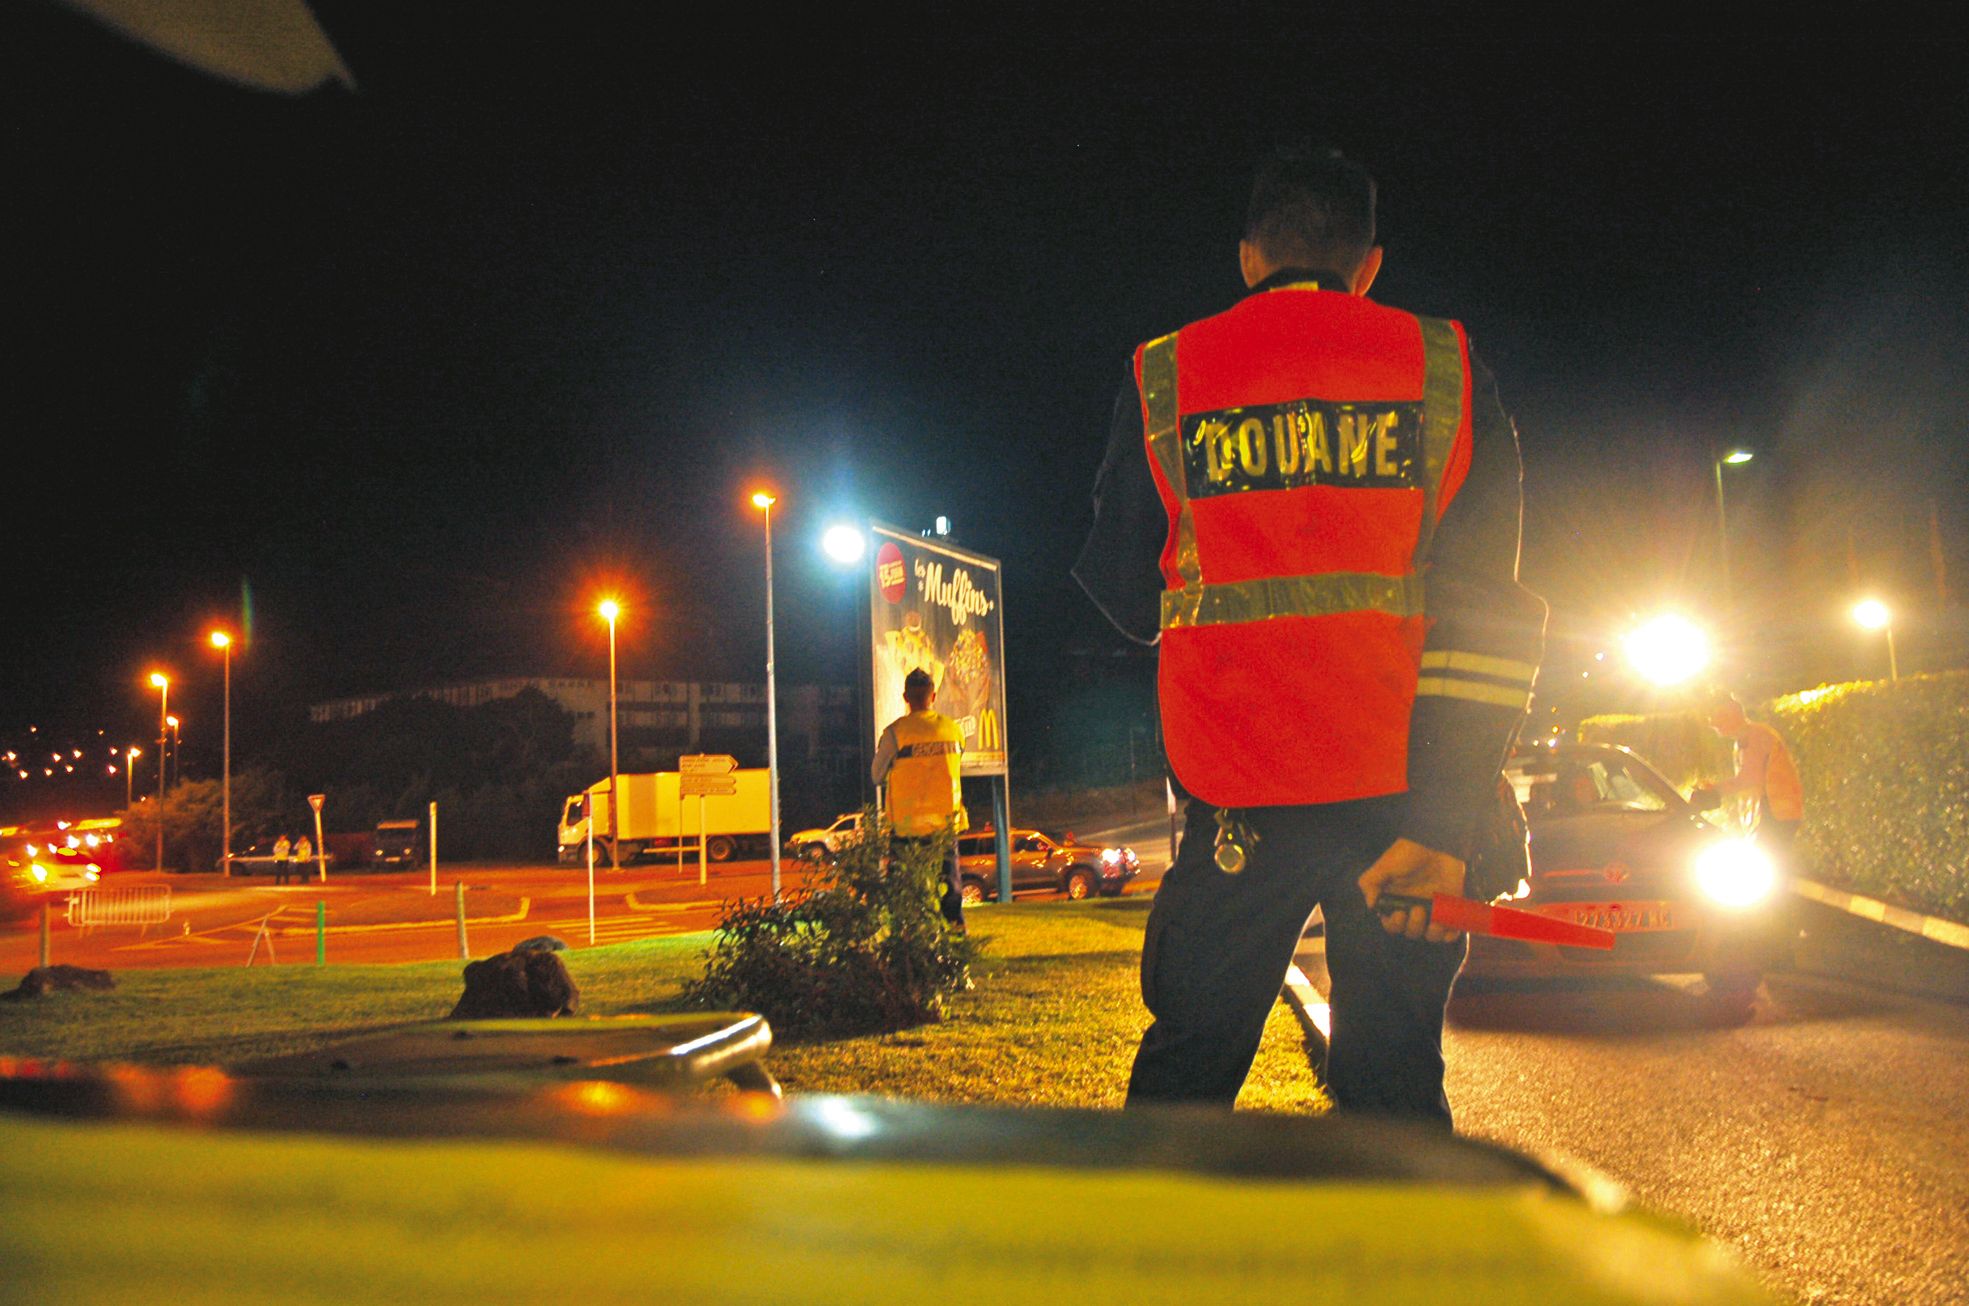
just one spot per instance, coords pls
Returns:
(1735, 873)
(1872, 614)
(763, 500)
(159, 680)
(220, 639)
(844, 544)
(1735, 457)
(1668, 650)
(609, 609)
(171, 721)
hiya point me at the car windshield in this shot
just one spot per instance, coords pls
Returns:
(1569, 786)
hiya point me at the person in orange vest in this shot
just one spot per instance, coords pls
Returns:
(1764, 773)
(920, 757)
(1310, 503)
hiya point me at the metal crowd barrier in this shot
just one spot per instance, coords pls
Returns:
(143, 904)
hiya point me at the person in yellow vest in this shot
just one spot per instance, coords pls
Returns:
(303, 854)
(281, 866)
(1764, 773)
(919, 757)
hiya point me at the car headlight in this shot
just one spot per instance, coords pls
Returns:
(1735, 873)
(1110, 855)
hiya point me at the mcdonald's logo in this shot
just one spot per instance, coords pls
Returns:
(991, 735)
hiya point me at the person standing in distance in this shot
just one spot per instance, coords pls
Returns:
(1310, 503)
(281, 850)
(920, 757)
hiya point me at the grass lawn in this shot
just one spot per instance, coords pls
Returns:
(1053, 1020)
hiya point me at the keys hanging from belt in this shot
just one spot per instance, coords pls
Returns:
(1235, 839)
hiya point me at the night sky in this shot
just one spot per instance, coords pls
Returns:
(413, 373)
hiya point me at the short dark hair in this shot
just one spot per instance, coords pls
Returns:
(917, 681)
(1311, 207)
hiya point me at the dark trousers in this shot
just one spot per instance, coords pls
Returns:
(1218, 946)
(952, 903)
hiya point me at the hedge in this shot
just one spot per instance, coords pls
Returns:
(1886, 772)
(1886, 775)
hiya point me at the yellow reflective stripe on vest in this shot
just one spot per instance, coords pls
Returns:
(1291, 596)
(1479, 664)
(1159, 407)
(1442, 415)
(1474, 690)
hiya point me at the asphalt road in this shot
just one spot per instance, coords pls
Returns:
(1827, 1141)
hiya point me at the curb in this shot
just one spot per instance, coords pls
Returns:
(526, 906)
(1949, 933)
(1315, 1017)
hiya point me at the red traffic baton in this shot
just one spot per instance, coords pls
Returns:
(1454, 913)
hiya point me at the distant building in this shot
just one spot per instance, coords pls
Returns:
(659, 717)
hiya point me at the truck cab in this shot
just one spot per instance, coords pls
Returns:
(398, 843)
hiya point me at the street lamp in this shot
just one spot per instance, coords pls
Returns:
(610, 610)
(1735, 458)
(130, 756)
(843, 543)
(163, 684)
(764, 502)
(173, 760)
(223, 642)
(1872, 614)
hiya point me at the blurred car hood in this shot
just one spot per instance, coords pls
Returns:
(1643, 841)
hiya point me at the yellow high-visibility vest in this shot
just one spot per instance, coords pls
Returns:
(924, 794)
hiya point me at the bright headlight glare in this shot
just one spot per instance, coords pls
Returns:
(1735, 873)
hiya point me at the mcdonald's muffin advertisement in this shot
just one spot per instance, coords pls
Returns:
(935, 606)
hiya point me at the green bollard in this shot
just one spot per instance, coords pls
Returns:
(320, 933)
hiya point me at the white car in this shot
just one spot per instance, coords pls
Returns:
(820, 842)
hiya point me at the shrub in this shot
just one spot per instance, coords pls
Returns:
(862, 949)
(1886, 779)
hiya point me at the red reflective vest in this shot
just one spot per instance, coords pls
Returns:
(1304, 443)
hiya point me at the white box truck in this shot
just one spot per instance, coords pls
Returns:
(654, 819)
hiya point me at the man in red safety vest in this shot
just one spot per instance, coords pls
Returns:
(1310, 502)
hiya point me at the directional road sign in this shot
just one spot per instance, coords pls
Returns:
(705, 786)
(707, 764)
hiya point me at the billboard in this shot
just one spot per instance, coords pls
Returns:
(935, 606)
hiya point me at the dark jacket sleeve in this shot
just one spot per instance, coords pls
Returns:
(1119, 566)
(1486, 635)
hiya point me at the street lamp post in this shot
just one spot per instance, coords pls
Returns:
(1735, 458)
(764, 502)
(610, 610)
(163, 684)
(1875, 615)
(171, 760)
(130, 756)
(223, 642)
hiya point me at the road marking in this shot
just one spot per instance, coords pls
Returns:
(636, 904)
(526, 905)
